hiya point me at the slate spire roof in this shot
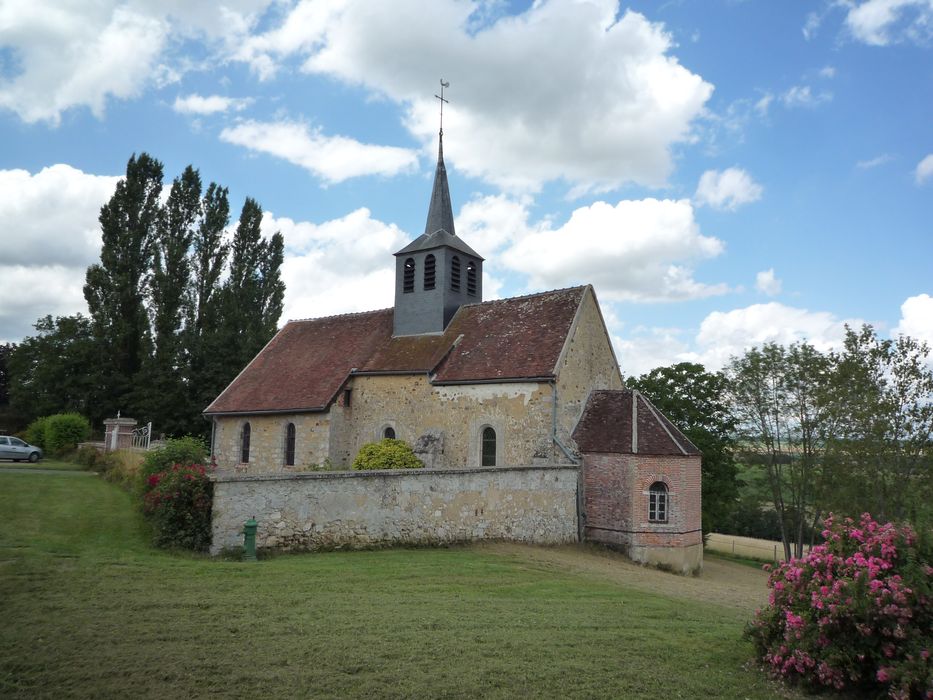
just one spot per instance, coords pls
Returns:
(439, 228)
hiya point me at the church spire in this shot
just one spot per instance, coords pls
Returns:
(440, 212)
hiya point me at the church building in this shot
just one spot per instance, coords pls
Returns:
(470, 384)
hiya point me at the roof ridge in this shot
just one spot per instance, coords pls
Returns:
(528, 296)
(349, 314)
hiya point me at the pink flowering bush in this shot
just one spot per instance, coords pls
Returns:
(177, 501)
(855, 613)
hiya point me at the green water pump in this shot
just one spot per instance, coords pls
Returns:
(249, 539)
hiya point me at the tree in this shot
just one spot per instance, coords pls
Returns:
(880, 455)
(251, 298)
(6, 349)
(778, 397)
(694, 400)
(58, 370)
(116, 289)
(208, 256)
(170, 298)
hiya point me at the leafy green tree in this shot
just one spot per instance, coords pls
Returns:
(6, 349)
(208, 257)
(58, 370)
(165, 388)
(116, 289)
(251, 298)
(778, 397)
(880, 454)
(695, 401)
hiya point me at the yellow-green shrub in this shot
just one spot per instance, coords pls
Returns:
(386, 454)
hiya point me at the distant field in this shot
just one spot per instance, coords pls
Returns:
(748, 547)
(89, 610)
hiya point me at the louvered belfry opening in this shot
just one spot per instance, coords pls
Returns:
(471, 278)
(408, 284)
(455, 274)
(429, 272)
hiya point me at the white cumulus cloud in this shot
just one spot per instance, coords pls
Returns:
(924, 169)
(332, 158)
(727, 189)
(54, 216)
(767, 283)
(581, 92)
(917, 319)
(208, 104)
(636, 250)
(882, 22)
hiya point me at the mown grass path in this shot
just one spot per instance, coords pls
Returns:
(89, 610)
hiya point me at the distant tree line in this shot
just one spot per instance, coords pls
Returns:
(177, 308)
(789, 434)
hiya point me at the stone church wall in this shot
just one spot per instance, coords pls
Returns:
(615, 504)
(588, 363)
(267, 442)
(366, 509)
(520, 413)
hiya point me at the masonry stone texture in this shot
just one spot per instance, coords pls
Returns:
(369, 509)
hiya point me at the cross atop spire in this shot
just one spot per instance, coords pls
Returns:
(441, 98)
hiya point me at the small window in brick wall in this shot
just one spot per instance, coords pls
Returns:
(658, 502)
(244, 444)
(389, 432)
(408, 276)
(429, 272)
(347, 397)
(290, 444)
(455, 274)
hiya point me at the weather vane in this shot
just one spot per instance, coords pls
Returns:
(441, 98)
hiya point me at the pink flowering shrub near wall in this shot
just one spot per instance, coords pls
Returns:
(855, 613)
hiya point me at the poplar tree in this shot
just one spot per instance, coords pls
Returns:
(169, 292)
(116, 289)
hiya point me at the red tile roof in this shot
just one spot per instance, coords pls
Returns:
(306, 363)
(625, 421)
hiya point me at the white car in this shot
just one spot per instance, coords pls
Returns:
(17, 450)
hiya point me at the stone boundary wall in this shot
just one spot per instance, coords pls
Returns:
(326, 510)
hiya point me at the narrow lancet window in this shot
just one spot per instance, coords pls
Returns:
(244, 444)
(429, 272)
(290, 445)
(389, 432)
(489, 447)
(408, 277)
(471, 278)
(455, 274)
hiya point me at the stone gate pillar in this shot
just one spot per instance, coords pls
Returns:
(118, 433)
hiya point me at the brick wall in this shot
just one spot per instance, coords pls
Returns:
(615, 497)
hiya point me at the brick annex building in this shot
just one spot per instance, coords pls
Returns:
(520, 383)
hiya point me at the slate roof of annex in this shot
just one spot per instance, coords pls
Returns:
(626, 422)
(306, 364)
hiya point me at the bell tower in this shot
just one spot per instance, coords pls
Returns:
(437, 272)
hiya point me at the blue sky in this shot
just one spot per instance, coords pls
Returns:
(724, 173)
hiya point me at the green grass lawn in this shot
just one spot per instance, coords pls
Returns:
(41, 464)
(89, 610)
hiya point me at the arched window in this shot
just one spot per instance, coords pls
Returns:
(408, 276)
(471, 278)
(389, 432)
(429, 263)
(244, 444)
(489, 447)
(455, 274)
(290, 444)
(658, 502)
